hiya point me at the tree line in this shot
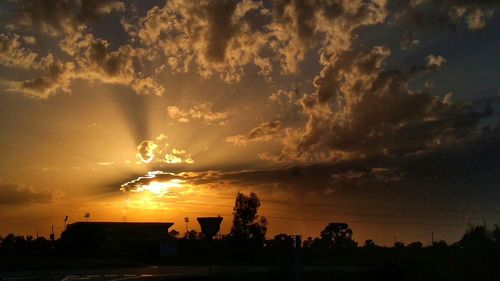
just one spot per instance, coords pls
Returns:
(249, 229)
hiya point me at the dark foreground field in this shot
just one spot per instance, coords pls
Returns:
(187, 273)
(381, 264)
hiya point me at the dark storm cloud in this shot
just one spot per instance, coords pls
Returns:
(455, 166)
(220, 29)
(362, 109)
(57, 17)
(12, 194)
(432, 14)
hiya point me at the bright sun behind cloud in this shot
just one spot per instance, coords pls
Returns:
(162, 188)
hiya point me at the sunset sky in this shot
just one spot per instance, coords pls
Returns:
(382, 114)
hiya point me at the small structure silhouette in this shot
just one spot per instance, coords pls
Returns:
(210, 226)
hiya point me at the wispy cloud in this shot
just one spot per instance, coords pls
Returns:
(203, 112)
(13, 194)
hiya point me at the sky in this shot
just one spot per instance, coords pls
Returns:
(379, 113)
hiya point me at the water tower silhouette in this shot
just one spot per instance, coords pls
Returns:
(210, 226)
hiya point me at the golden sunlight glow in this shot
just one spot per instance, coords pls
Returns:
(160, 188)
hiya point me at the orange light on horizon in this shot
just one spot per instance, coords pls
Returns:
(161, 188)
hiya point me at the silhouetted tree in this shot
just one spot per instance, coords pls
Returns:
(399, 244)
(337, 235)
(283, 241)
(193, 235)
(12, 244)
(496, 233)
(370, 244)
(173, 233)
(441, 244)
(246, 223)
(8, 244)
(42, 245)
(415, 245)
(307, 243)
(476, 237)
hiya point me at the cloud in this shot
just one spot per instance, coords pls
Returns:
(175, 112)
(29, 40)
(146, 151)
(161, 137)
(203, 112)
(13, 54)
(359, 109)
(106, 163)
(436, 14)
(56, 17)
(364, 175)
(214, 37)
(123, 66)
(452, 167)
(217, 36)
(91, 57)
(286, 105)
(266, 131)
(93, 61)
(299, 26)
(150, 152)
(282, 97)
(172, 159)
(55, 76)
(178, 151)
(435, 61)
(177, 156)
(13, 194)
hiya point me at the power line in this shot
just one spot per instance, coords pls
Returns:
(359, 214)
(347, 221)
(335, 205)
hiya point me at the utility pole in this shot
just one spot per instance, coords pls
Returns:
(186, 220)
(432, 237)
(65, 221)
(52, 236)
(298, 258)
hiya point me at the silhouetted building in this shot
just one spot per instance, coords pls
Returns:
(124, 231)
(138, 240)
